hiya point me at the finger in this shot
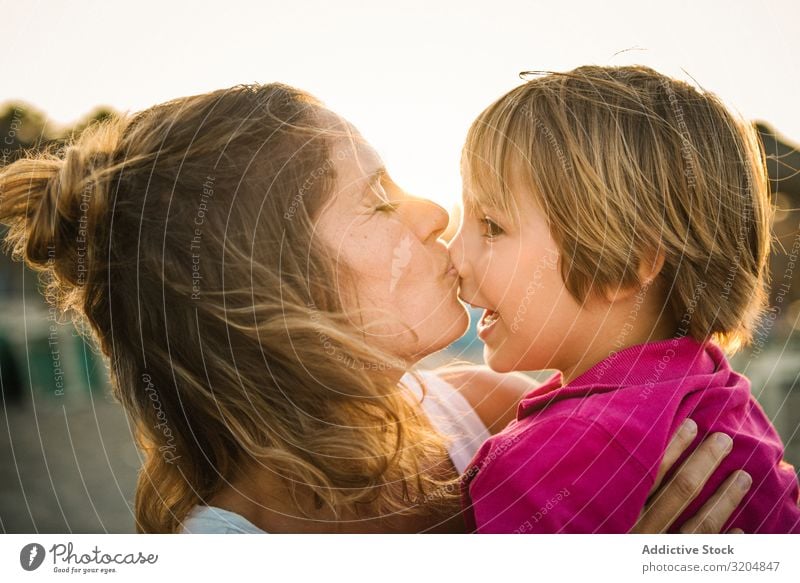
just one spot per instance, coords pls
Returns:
(668, 503)
(718, 509)
(682, 439)
(735, 531)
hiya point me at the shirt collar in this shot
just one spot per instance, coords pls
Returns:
(652, 362)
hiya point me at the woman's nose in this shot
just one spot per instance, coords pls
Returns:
(428, 219)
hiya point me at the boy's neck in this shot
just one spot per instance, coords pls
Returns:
(652, 326)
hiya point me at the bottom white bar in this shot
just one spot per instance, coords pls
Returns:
(386, 558)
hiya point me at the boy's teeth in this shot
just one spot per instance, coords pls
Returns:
(489, 317)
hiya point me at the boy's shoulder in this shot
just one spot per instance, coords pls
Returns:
(642, 386)
(542, 440)
(638, 417)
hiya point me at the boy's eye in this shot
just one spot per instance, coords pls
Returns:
(490, 228)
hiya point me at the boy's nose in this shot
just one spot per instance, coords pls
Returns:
(456, 248)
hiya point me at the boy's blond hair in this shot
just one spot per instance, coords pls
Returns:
(627, 163)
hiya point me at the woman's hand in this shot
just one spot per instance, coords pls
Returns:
(666, 503)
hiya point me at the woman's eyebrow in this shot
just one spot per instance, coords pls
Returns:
(373, 179)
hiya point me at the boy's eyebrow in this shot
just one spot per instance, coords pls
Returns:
(496, 213)
(486, 209)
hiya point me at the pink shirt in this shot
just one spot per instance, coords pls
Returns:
(582, 458)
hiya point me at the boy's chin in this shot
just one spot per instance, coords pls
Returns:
(504, 360)
(498, 361)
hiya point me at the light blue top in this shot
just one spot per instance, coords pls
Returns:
(213, 520)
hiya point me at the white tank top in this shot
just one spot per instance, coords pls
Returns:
(452, 415)
(448, 411)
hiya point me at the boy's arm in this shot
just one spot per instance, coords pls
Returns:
(494, 396)
(569, 475)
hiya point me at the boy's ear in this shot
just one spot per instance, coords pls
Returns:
(649, 268)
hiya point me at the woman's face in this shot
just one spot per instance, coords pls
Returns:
(405, 294)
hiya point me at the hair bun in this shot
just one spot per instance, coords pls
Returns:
(55, 204)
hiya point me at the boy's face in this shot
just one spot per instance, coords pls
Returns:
(511, 270)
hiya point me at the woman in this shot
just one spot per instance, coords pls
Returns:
(260, 288)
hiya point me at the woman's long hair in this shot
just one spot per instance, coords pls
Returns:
(181, 239)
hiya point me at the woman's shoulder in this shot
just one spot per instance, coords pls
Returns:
(213, 520)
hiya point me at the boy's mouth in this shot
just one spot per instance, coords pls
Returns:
(487, 322)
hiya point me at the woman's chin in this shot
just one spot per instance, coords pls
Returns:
(448, 329)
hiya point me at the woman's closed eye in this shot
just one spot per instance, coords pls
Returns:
(387, 207)
(385, 204)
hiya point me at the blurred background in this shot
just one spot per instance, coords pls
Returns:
(411, 78)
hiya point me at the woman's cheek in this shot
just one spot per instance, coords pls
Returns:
(410, 265)
(369, 253)
(398, 260)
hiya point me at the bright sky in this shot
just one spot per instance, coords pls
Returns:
(411, 76)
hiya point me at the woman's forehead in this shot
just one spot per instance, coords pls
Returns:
(347, 142)
(356, 165)
(355, 159)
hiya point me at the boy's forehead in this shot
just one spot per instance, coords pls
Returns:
(489, 185)
(515, 198)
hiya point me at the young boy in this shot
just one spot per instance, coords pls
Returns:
(616, 229)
